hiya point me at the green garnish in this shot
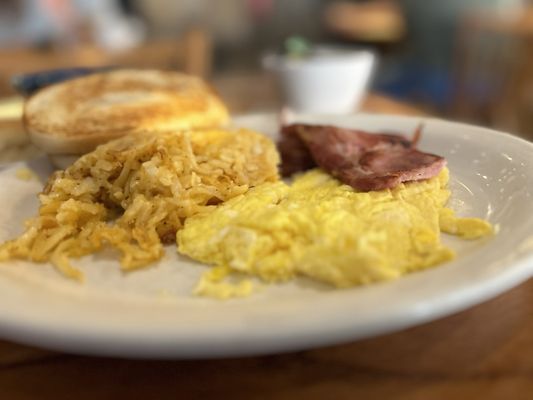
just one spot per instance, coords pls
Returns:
(297, 47)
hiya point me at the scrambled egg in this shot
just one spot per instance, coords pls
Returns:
(327, 231)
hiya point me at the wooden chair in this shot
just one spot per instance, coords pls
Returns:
(494, 74)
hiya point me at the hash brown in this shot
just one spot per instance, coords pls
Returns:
(135, 192)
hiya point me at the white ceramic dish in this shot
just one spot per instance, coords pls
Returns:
(332, 81)
(151, 314)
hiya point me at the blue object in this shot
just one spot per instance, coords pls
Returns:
(413, 82)
(27, 84)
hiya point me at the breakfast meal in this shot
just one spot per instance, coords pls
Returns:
(358, 208)
(71, 118)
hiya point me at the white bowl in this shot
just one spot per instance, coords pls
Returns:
(331, 81)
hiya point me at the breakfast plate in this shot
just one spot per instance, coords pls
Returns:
(150, 313)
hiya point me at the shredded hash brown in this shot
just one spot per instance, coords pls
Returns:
(134, 194)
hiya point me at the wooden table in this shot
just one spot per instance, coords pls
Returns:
(482, 353)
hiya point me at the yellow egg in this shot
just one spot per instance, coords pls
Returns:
(319, 228)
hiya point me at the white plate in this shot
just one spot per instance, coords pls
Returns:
(150, 313)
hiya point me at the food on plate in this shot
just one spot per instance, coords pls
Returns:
(322, 229)
(73, 117)
(135, 192)
(217, 193)
(362, 160)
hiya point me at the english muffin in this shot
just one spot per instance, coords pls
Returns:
(75, 116)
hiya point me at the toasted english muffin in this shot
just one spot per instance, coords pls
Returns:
(73, 117)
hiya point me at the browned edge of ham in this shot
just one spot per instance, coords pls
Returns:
(365, 161)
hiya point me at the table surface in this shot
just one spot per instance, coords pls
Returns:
(485, 352)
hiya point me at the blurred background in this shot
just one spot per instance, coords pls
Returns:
(470, 60)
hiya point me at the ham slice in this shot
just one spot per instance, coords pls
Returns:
(360, 159)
